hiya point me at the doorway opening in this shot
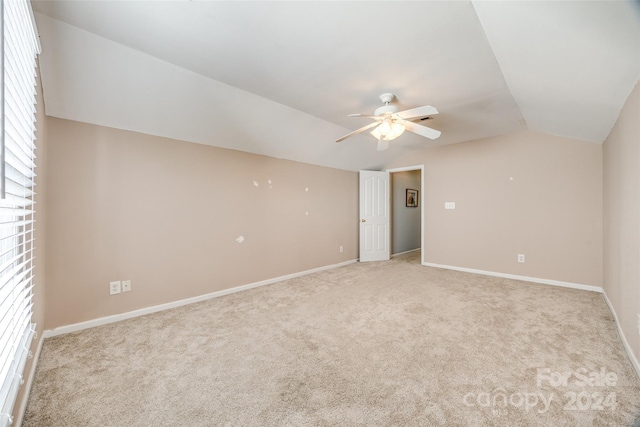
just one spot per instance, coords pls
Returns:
(407, 212)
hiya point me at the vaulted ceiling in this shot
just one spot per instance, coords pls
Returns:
(279, 78)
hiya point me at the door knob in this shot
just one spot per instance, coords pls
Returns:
(363, 220)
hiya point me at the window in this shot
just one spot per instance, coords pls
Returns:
(19, 50)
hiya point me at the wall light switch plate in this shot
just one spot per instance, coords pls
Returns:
(449, 205)
(114, 287)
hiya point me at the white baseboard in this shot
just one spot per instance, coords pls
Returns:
(516, 277)
(627, 347)
(148, 310)
(28, 383)
(405, 252)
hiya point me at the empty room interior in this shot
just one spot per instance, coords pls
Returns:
(372, 213)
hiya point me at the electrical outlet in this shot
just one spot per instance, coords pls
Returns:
(449, 205)
(114, 288)
(126, 285)
(520, 257)
(341, 248)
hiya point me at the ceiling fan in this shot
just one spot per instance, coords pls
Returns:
(390, 124)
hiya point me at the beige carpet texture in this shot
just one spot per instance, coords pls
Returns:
(389, 343)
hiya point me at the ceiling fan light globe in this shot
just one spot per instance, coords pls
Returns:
(396, 130)
(379, 136)
(384, 128)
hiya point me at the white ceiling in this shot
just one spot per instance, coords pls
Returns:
(280, 78)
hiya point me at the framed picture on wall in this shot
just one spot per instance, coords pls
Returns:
(412, 198)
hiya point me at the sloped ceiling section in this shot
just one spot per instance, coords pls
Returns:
(94, 80)
(280, 78)
(569, 65)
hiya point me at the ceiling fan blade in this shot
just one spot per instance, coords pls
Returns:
(364, 116)
(422, 130)
(427, 110)
(382, 144)
(355, 132)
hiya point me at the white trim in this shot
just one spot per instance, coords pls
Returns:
(148, 310)
(421, 169)
(28, 383)
(405, 252)
(625, 343)
(516, 277)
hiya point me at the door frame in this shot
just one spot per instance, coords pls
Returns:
(407, 169)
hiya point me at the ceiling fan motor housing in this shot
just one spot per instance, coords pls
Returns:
(386, 98)
(385, 109)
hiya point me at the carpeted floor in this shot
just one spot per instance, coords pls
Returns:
(374, 344)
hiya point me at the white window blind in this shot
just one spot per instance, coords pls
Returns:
(20, 48)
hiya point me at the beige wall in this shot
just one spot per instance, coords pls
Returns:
(551, 211)
(166, 214)
(622, 218)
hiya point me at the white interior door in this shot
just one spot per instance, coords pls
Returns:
(374, 216)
